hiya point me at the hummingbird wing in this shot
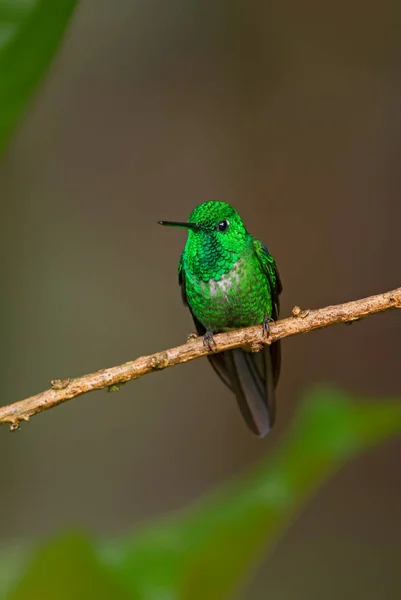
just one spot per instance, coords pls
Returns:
(276, 287)
(254, 376)
(270, 269)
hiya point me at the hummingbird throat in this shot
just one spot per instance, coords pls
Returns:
(208, 259)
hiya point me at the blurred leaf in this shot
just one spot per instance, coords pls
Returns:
(208, 551)
(13, 560)
(67, 568)
(30, 32)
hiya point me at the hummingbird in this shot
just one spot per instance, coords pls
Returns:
(229, 280)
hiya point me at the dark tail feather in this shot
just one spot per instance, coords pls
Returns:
(275, 350)
(252, 376)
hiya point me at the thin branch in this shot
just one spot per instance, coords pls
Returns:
(302, 321)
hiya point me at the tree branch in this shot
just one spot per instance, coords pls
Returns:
(302, 321)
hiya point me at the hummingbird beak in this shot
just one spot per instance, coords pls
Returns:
(192, 226)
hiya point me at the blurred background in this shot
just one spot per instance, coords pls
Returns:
(289, 111)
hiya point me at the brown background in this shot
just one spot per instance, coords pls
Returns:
(291, 112)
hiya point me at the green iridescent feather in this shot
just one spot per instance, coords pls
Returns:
(231, 280)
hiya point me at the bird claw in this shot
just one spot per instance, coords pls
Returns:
(208, 340)
(265, 325)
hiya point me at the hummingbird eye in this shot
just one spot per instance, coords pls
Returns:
(223, 225)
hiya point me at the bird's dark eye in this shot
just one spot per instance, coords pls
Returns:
(223, 225)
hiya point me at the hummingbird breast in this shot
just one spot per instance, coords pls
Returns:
(239, 298)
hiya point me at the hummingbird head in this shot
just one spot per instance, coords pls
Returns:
(211, 219)
(216, 238)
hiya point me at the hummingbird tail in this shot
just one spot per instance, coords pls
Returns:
(252, 376)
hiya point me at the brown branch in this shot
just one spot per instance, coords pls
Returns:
(303, 321)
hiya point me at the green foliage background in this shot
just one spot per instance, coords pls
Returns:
(30, 33)
(209, 549)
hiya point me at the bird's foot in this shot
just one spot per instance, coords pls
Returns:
(265, 325)
(208, 340)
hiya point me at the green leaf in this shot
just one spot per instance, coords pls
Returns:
(30, 32)
(207, 551)
(13, 560)
(67, 568)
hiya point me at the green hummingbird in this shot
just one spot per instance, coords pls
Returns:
(229, 280)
